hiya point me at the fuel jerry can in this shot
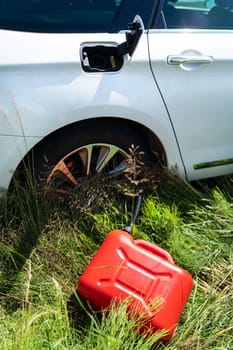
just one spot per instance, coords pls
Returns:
(124, 267)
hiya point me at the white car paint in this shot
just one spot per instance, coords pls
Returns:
(43, 88)
(199, 98)
(188, 107)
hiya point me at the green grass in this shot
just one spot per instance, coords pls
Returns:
(44, 248)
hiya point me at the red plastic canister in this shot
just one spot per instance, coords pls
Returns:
(124, 267)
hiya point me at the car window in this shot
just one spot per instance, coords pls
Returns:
(67, 16)
(199, 14)
(59, 15)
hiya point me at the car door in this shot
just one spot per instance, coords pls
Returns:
(192, 61)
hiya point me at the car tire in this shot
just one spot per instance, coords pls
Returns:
(67, 157)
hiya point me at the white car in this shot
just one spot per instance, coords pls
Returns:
(78, 86)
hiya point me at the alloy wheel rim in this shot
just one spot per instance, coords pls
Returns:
(91, 160)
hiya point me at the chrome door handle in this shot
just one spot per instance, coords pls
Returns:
(177, 60)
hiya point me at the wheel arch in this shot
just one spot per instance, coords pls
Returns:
(151, 141)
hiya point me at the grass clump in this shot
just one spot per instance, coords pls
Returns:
(38, 326)
(117, 330)
(44, 250)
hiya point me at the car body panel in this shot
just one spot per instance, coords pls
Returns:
(199, 97)
(13, 149)
(186, 106)
(44, 88)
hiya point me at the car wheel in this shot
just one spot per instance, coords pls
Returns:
(79, 153)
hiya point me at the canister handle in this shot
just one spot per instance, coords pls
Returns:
(154, 249)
